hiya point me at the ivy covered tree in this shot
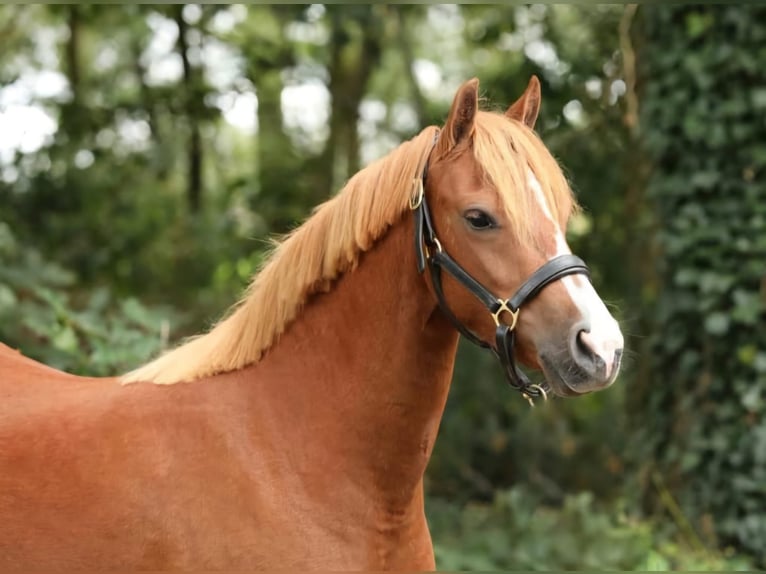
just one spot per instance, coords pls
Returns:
(704, 400)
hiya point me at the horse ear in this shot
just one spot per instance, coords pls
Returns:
(462, 114)
(526, 108)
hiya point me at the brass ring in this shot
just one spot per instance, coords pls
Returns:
(540, 390)
(504, 308)
(416, 198)
(436, 244)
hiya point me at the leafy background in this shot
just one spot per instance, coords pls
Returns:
(147, 153)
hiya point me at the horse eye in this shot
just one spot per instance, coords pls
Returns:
(479, 220)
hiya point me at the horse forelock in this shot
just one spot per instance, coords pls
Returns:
(507, 150)
(305, 262)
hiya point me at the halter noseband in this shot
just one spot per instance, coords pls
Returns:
(429, 252)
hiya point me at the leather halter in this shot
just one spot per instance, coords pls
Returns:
(429, 252)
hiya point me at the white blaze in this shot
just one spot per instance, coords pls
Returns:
(605, 336)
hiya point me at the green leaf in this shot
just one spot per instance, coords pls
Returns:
(717, 323)
(758, 97)
(7, 299)
(65, 340)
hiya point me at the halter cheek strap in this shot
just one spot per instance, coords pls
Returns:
(505, 312)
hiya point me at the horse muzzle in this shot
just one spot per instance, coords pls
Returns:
(582, 364)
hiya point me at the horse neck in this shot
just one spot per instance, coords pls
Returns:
(364, 373)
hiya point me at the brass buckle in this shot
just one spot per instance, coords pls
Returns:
(504, 309)
(416, 197)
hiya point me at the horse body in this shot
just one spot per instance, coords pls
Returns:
(267, 467)
(296, 433)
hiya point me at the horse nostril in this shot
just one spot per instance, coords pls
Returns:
(582, 344)
(587, 355)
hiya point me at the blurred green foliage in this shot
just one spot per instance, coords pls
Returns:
(702, 417)
(517, 532)
(91, 333)
(147, 191)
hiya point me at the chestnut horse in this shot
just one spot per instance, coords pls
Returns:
(295, 433)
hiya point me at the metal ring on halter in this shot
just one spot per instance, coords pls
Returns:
(437, 245)
(504, 308)
(539, 389)
(417, 194)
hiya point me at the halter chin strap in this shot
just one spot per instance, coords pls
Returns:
(505, 312)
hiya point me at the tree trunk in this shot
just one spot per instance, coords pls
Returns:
(281, 197)
(408, 56)
(351, 64)
(702, 428)
(147, 101)
(75, 121)
(192, 106)
(73, 53)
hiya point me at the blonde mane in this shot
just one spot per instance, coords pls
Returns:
(331, 241)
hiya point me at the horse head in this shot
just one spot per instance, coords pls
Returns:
(491, 211)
